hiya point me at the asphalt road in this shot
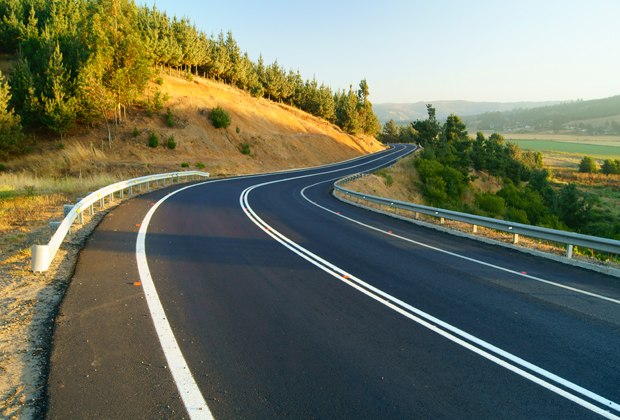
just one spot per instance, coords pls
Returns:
(284, 306)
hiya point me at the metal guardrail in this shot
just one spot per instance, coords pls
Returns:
(569, 238)
(43, 255)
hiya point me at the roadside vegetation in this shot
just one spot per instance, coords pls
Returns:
(496, 178)
(77, 63)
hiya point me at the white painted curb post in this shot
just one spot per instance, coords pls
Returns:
(40, 258)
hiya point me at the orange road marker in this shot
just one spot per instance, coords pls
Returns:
(137, 283)
(137, 224)
(389, 231)
(346, 277)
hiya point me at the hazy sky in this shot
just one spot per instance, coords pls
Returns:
(413, 51)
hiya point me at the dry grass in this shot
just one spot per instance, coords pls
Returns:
(568, 175)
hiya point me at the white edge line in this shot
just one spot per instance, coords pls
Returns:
(497, 267)
(188, 389)
(291, 245)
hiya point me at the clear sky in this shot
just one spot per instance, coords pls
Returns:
(410, 51)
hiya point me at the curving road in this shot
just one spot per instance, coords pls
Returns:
(283, 302)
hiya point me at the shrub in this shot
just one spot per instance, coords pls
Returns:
(159, 102)
(220, 118)
(2, 168)
(159, 81)
(136, 132)
(189, 76)
(169, 119)
(171, 144)
(166, 97)
(491, 203)
(587, 165)
(200, 165)
(389, 180)
(149, 110)
(153, 140)
(237, 130)
(245, 149)
(184, 165)
(29, 190)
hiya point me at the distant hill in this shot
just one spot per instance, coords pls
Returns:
(597, 116)
(405, 113)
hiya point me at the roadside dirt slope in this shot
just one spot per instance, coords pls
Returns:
(280, 137)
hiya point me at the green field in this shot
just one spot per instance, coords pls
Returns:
(601, 152)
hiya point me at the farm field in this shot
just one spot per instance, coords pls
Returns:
(586, 148)
(564, 138)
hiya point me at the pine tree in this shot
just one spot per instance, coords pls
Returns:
(11, 136)
(346, 112)
(390, 129)
(273, 81)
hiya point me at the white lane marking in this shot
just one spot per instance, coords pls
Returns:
(188, 389)
(390, 301)
(538, 279)
(186, 385)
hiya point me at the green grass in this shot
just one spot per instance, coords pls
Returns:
(601, 152)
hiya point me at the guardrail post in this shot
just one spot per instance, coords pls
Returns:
(441, 220)
(121, 194)
(66, 209)
(54, 227)
(40, 258)
(130, 190)
(111, 197)
(102, 202)
(515, 238)
(474, 229)
(416, 215)
(91, 209)
(569, 251)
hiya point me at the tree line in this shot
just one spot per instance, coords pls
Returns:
(527, 196)
(554, 117)
(78, 61)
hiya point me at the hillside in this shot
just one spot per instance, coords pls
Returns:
(280, 137)
(406, 113)
(597, 116)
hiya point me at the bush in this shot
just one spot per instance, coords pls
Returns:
(2, 168)
(200, 165)
(157, 99)
(169, 119)
(184, 165)
(189, 76)
(389, 180)
(153, 140)
(245, 149)
(159, 81)
(587, 165)
(237, 130)
(171, 144)
(136, 132)
(149, 110)
(220, 118)
(491, 203)
(166, 97)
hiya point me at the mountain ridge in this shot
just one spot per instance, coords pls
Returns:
(403, 113)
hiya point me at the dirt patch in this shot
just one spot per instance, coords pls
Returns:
(28, 305)
(279, 136)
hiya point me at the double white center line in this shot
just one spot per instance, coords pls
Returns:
(542, 377)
